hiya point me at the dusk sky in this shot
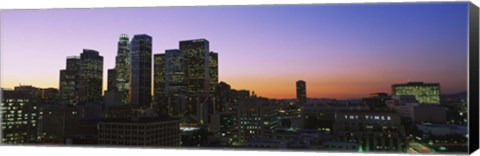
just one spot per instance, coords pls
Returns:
(340, 50)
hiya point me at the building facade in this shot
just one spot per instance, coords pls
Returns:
(423, 92)
(69, 81)
(146, 132)
(91, 76)
(122, 67)
(371, 130)
(19, 117)
(141, 70)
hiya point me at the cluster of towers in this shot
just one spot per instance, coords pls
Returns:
(184, 79)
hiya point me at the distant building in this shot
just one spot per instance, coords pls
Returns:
(301, 92)
(423, 92)
(19, 117)
(141, 70)
(146, 132)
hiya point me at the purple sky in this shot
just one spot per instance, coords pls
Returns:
(341, 51)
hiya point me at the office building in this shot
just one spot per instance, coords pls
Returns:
(371, 130)
(423, 92)
(122, 68)
(19, 117)
(69, 81)
(256, 117)
(91, 76)
(146, 132)
(54, 120)
(141, 70)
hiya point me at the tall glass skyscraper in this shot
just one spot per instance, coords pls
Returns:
(189, 76)
(195, 56)
(141, 70)
(122, 67)
(91, 76)
(69, 79)
(423, 92)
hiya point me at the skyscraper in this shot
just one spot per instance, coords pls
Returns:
(169, 84)
(196, 63)
(301, 92)
(122, 67)
(195, 56)
(141, 70)
(186, 80)
(69, 81)
(91, 76)
(213, 65)
(423, 92)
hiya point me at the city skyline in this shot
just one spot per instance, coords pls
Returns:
(268, 68)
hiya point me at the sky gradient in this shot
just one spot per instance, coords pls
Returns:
(340, 50)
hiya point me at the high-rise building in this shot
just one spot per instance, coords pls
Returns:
(69, 81)
(174, 73)
(196, 61)
(170, 76)
(213, 65)
(423, 92)
(141, 70)
(122, 67)
(19, 117)
(196, 64)
(301, 92)
(91, 76)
